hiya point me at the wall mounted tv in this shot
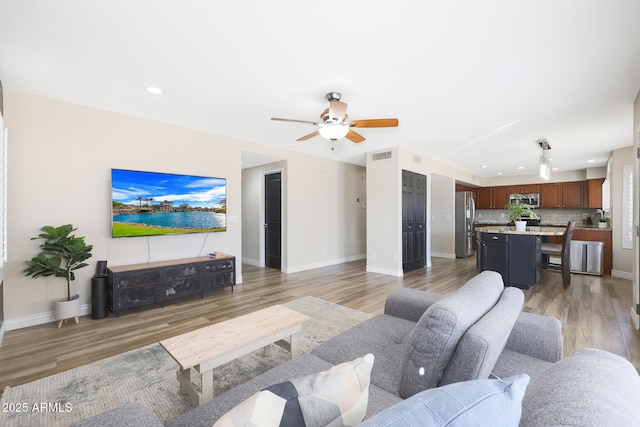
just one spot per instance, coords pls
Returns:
(151, 203)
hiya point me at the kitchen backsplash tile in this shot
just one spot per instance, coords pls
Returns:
(547, 216)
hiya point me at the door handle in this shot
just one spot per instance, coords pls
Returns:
(266, 225)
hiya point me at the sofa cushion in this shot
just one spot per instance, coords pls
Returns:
(337, 396)
(384, 336)
(435, 336)
(478, 403)
(589, 388)
(479, 348)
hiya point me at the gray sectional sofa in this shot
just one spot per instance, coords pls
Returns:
(425, 341)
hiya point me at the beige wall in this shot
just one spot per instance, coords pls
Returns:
(60, 157)
(384, 212)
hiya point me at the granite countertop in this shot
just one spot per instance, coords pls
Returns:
(532, 231)
(593, 227)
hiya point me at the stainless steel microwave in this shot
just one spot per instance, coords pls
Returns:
(532, 199)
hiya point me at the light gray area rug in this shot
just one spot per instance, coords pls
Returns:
(147, 376)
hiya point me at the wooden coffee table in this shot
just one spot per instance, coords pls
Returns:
(214, 345)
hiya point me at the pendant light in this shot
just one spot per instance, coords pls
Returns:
(544, 170)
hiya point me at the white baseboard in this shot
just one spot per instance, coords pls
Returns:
(387, 271)
(635, 318)
(622, 274)
(2, 328)
(443, 255)
(327, 263)
(253, 262)
(38, 319)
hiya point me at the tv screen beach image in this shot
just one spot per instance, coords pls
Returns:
(152, 203)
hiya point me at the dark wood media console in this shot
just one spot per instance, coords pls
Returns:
(139, 285)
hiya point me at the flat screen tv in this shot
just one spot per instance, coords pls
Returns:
(152, 203)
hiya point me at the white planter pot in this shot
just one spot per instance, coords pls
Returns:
(602, 224)
(521, 225)
(63, 309)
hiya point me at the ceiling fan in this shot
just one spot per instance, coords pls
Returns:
(334, 124)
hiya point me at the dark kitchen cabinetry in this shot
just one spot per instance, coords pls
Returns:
(525, 260)
(140, 285)
(516, 257)
(492, 197)
(493, 253)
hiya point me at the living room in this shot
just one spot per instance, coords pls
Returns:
(61, 151)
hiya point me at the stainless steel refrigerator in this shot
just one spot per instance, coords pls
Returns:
(465, 215)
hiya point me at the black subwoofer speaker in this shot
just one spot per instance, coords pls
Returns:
(99, 296)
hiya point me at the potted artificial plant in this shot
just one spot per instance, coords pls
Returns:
(60, 255)
(604, 221)
(517, 210)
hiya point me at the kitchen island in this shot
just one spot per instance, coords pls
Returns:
(514, 254)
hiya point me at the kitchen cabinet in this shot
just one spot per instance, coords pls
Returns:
(525, 189)
(492, 197)
(492, 253)
(599, 236)
(516, 257)
(550, 196)
(573, 194)
(563, 195)
(524, 260)
(595, 193)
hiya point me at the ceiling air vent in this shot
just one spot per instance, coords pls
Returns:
(381, 156)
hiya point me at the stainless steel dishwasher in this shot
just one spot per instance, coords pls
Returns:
(586, 257)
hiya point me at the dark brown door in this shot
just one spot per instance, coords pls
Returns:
(414, 221)
(273, 220)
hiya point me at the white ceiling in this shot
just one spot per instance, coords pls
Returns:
(472, 82)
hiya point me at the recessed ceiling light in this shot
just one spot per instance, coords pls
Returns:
(590, 161)
(154, 90)
(499, 173)
(484, 166)
(520, 167)
(554, 169)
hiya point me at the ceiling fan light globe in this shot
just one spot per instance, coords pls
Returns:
(334, 132)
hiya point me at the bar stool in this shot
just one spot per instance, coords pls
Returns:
(562, 251)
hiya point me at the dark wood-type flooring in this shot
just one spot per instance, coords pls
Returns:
(595, 312)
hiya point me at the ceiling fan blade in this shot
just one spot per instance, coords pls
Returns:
(311, 135)
(294, 121)
(338, 111)
(374, 123)
(354, 136)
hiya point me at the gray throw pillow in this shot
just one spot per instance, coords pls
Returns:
(433, 340)
(481, 346)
